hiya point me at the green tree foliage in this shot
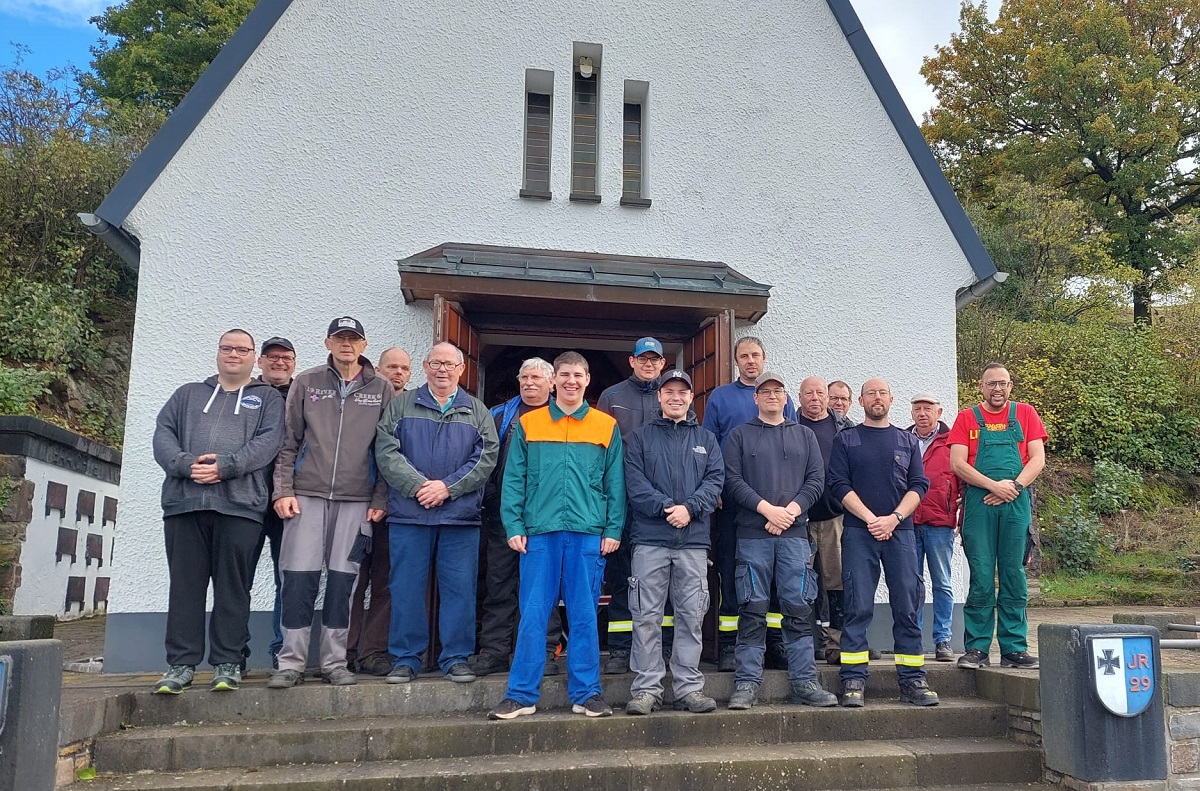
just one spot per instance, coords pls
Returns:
(1097, 98)
(161, 48)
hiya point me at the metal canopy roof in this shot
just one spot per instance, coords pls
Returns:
(502, 279)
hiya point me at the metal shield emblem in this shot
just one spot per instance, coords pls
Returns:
(1123, 672)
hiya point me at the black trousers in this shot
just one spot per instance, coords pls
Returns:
(203, 547)
(499, 611)
(725, 559)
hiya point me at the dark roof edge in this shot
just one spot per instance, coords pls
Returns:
(187, 116)
(914, 141)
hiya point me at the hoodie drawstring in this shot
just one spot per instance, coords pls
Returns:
(237, 409)
(213, 397)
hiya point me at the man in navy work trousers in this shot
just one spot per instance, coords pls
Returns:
(877, 473)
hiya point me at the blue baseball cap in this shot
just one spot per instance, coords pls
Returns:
(648, 345)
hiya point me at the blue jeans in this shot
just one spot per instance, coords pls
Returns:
(935, 545)
(569, 563)
(412, 549)
(786, 562)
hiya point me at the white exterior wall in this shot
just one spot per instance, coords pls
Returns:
(362, 133)
(44, 579)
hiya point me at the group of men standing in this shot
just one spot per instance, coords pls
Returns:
(345, 472)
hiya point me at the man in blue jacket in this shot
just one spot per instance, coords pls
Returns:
(877, 473)
(773, 475)
(728, 407)
(673, 475)
(436, 447)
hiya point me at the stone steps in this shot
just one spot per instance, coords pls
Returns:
(959, 763)
(250, 744)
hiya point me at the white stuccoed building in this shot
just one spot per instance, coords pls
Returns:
(751, 169)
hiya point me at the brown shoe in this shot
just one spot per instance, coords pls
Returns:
(833, 656)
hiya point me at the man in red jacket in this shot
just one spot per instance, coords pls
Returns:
(935, 518)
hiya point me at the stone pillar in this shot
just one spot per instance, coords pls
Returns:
(16, 510)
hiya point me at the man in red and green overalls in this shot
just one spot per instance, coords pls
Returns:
(997, 448)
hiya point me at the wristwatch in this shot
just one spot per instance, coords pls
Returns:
(1019, 486)
(898, 515)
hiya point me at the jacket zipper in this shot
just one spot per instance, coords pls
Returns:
(337, 445)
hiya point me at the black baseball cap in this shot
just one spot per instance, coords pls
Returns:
(674, 374)
(346, 324)
(282, 343)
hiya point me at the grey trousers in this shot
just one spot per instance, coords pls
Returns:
(322, 534)
(684, 574)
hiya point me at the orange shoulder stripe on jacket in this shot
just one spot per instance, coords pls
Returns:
(596, 428)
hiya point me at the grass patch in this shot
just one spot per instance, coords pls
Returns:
(1152, 576)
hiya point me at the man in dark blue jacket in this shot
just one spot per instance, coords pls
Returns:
(436, 447)
(673, 476)
(876, 472)
(774, 474)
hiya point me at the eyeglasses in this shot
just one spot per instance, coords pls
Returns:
(347, 337)
(773, 392)
(874, 393)
(281, 358)
(840, 398)
(996, 385)
(441, 365)
(649, 360)
(240, 351)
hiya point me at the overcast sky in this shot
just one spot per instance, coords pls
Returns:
(903, 31)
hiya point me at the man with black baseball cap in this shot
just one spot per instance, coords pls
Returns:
(327, 493)
(673, 476)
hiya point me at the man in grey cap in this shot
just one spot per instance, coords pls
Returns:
(327, 493)
(774, 474)
(673, 476)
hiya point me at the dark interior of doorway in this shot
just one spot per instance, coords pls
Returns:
(501, 364)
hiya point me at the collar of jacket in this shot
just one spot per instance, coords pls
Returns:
(690, 420)
(367, 373)
(645, 387)
(425, 398)
(942, 429)
(556, 414)
(757, 421)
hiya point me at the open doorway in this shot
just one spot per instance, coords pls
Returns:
(501, 361)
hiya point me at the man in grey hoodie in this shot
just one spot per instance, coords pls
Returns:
(215, 440)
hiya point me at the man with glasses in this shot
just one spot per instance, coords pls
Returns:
(367, 646)
(998, 449)
(633, 403)
(277, 364)
(328, 494)
(773, 475)
(215, 441)
(876, 472)
(728, 407)
(840, 399)
(436, 447)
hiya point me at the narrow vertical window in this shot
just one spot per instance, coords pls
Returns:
(634, 173)
(539, 88)
(585, 113)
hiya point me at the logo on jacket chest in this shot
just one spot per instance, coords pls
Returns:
(700, 450)
(368, 399)
(316, 394)
(251, 402)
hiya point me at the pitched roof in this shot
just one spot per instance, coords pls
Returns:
(127, 192)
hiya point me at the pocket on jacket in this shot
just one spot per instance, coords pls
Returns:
(743, 582)
(900, 469)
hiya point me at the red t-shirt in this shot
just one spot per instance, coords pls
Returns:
(966, 428)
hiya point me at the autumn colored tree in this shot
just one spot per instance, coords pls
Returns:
(1097, 98)
(161, 48)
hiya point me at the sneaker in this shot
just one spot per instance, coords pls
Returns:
(376, 665)
(1022, 660)
(285, 679)
(853, 696)
(509, 709)
(918, 693)
(551, 668)
(833, 656)
(974, 659)
(593, 707)
(226, 677)
(744, 696)
(643, 703)
(486, 664)
(942, 652)
(617, 663)
(726, 661)
(810, 693)
(340, 677)
(696, 702)
(401, 674)
(175, 680)
(459, 673)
